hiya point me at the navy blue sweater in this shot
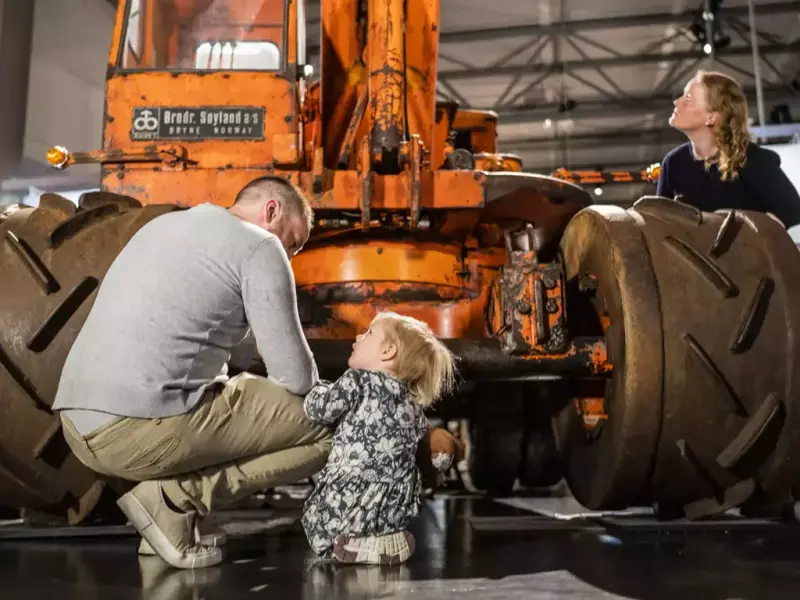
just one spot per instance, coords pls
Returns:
(761, 186)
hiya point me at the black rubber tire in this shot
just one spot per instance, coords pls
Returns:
(539, 466)
(607, 466)
(729, 290)
(496, 431)
(52, 261)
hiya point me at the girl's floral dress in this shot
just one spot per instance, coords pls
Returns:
(370, 485)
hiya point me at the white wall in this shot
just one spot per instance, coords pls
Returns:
(66, 90)
(790, 163)
(790, 160)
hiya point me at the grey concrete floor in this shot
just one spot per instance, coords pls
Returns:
(468, 547)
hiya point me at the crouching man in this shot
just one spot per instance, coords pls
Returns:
(143, 394)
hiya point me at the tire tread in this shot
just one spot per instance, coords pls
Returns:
(701, 265)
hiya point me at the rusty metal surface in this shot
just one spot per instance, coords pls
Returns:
(485, 359)
(526, 309)
(386, 23)
(515, 199)
(51, 262)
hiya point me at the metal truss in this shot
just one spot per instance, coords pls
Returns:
(602, 107)
(598, 139)
(572, 27)
(557, 67)
(730, 37)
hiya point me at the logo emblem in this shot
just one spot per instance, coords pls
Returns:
(145, 121)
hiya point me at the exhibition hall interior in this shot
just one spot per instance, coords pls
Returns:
(400, 299)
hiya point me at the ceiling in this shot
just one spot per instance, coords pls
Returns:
(584, 84)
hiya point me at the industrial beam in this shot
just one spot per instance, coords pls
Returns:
(599, 165)
(567, 27)
(608, 61)
(600, 108)
(595, 139)
(653, 138)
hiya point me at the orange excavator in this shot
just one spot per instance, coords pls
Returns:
(647, 356)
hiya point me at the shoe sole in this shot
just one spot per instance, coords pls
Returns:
(343, 555)
(212, 540)
(158, 541)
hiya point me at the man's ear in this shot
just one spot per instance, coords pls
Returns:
(271, 211)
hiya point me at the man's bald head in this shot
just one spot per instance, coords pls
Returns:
(274, 204)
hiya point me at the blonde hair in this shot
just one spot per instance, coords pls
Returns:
(724, 95)
(422, 362)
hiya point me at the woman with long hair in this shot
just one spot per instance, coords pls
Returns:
(719, 167)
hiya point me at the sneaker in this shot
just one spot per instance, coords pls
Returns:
(169, 533)
(391, 549)
(213, 537)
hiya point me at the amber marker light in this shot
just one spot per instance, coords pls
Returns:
(57, 157)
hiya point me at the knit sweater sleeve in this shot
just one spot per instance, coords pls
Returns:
(270, 303)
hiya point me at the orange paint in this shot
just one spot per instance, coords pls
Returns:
(203, 96)
(649, 175)
(592, 411)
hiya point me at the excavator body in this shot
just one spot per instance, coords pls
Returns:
(413, 200)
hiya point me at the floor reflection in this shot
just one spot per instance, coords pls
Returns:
(457, 555)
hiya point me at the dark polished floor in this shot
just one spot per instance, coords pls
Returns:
(467, 548)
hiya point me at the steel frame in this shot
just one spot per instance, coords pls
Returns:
(610, 99)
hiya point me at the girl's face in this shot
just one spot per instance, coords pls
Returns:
(371, 350)
(691, 109)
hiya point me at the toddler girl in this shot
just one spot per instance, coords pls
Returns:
(370, 488)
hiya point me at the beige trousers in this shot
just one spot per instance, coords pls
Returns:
(245, 436)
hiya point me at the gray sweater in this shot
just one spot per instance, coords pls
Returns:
(184, 291)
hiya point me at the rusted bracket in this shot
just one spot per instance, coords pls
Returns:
(175, 157)
(527, 306)
(365, 177)
(352, 129)
(414, 179)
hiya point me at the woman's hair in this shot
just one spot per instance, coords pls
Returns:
(422, 362)
(725, 96)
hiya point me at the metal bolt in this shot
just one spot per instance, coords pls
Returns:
(524, 307)
(551, 306)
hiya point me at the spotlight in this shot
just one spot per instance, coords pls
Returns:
(598, 191)
(707, 48)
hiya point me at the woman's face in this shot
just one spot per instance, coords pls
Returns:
(691, 111)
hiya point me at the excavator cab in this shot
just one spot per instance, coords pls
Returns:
(209, 89)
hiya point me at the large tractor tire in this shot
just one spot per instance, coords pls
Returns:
(52, 261)
(539, 467)
(607, 462)
(496, 435)
(704, 309)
